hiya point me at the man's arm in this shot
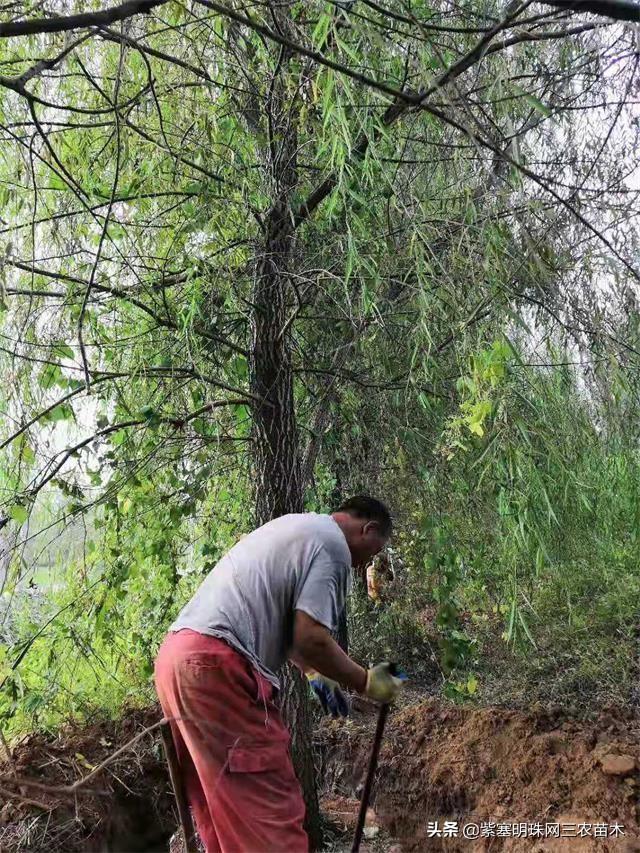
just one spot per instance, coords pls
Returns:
(296, 660)
(314, 648)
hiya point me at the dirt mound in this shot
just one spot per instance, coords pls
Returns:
(514, 775)
(492, 768)
(127, 806)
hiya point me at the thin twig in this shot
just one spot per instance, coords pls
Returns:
(105, 226)
(7, 749)
(10, 795)
(73, 789)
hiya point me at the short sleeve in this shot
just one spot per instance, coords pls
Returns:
(323, 592)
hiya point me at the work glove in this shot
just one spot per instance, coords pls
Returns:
(384, 683)
(329, 695)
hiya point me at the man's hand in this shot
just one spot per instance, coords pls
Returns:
(329, 694)
(383, 685)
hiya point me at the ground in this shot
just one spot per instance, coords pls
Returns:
(514, 775)
(494, 769)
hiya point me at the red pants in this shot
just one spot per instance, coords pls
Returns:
(232, 746)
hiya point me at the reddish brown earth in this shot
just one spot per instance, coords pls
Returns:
(438, 762)
(475, 766)
(126, 807)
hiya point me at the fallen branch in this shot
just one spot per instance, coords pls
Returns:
(75, 787)
(26, 800)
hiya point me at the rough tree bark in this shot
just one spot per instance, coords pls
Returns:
(278, 483)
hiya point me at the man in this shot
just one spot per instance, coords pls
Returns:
(379, 576)
(276, 595)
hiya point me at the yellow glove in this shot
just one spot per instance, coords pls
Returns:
(382, 684)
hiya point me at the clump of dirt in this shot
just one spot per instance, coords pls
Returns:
(492, 765)
(438, 763)
(341, 811)
(127, 806)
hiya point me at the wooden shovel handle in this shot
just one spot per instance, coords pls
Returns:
(371, 772)
(177, 783)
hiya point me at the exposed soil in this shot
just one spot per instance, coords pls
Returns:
(438, 762)
(127, 807)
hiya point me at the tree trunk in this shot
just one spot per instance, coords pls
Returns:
(343, 630)
(297, 712)
(278, 488)
(278, 484)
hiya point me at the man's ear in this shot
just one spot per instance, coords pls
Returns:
(373, 526)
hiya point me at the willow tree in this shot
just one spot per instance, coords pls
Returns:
(227, 226)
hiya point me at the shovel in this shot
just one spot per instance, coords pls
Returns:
(177, 783)
(373, 763)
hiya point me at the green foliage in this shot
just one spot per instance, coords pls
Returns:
(392, 631)
(92, 638)
(522, 551)
(419, 299)
(478, 388)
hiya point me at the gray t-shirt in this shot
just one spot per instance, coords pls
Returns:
(296, 562)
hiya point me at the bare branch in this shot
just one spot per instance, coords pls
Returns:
(105, 226)
(74, 788)
(618, 10)
(74, 22)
